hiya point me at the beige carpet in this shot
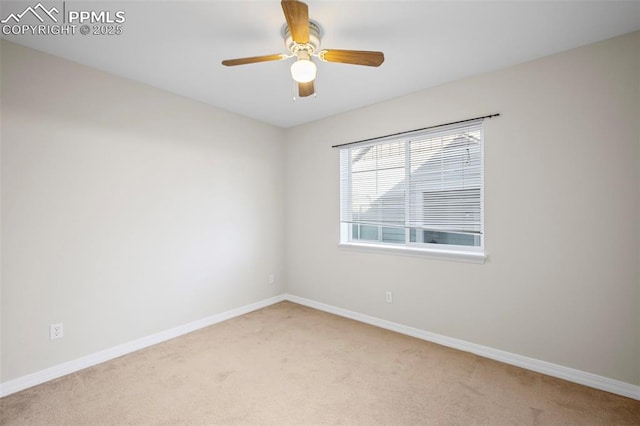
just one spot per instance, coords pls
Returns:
(288, 364)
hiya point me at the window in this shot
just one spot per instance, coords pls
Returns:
(420, 191)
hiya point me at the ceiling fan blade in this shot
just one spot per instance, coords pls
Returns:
(253, 60)
(355, 57)
(297, 15)
(305, 89)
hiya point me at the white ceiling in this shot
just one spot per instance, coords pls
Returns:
(178, 46)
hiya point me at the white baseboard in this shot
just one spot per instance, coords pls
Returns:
(559, 371)
(60, 370)
(566, 373)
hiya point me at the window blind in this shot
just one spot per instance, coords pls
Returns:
(429, 180)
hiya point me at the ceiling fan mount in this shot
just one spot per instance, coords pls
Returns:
(302, 40)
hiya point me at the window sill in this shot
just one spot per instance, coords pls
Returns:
(451, 255)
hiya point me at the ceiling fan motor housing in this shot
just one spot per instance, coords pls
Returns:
(304, 50)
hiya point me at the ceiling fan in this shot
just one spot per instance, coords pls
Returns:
(302, 39)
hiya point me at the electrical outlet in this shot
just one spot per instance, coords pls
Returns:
(272, 279)
(389, 297)
(56, 331)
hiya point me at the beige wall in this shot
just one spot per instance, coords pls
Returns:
(126, 210)
(562, 214)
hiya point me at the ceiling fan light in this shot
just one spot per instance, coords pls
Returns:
(303, 71)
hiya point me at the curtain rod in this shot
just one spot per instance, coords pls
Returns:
(415, 130)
